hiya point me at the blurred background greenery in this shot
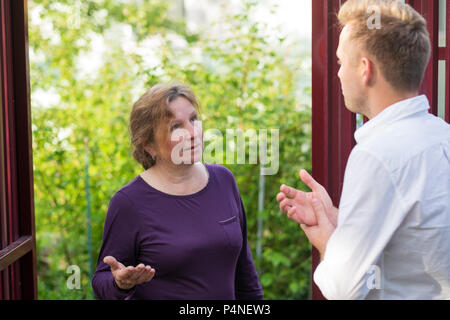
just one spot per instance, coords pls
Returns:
(91, 59)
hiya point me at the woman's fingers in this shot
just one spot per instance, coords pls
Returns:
(123, 274)
(136, 275)
(128, 277)
(112, 262)
(146, 275)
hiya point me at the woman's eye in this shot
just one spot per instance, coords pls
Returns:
(175, 126)
(194, 119)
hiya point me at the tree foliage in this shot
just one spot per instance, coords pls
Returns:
(244, 78)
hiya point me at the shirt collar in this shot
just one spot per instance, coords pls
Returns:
(397, 111)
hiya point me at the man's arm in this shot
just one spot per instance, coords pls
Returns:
(370, 211)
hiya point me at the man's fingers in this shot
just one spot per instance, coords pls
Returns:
(112, 262)
(286, 204)
(281, 196)
(295, 214)
(288, 191)
(319, 209)
(301, 217)
(309, 181)
(305, 228)
(291, 212)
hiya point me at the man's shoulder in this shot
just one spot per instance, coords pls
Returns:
(403, 141)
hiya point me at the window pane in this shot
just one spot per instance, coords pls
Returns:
(442, 23)
(359, 121)
(3, 217)
(441, 89)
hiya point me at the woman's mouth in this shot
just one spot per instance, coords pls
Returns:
(192, 148)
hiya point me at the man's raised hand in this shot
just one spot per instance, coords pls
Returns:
(319, 234)
(297, 205)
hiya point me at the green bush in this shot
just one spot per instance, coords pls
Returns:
(243, 81)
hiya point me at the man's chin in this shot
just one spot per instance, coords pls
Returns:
(354, 107)
(351, 109)
(349, 106)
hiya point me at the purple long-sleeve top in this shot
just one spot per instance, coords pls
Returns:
(196, 243)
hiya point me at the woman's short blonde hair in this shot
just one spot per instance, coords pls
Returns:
(401, 44)
(150, 114)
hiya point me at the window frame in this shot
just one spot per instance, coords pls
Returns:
(18, 278)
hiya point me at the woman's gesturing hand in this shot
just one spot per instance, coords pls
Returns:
(128, 277)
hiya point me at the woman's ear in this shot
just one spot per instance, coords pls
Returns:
(150, 150)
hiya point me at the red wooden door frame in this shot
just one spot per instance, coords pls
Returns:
(332, 123)
(18, 278)
(444, 54)
(430, 11)
(333, 126)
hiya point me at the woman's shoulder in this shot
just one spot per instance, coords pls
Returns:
(220, 170)
(224, 176)
(126, 202)
(128, 192)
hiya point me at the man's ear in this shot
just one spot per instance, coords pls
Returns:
(368, 71)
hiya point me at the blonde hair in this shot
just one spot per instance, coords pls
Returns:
(401, 45)
(150, 112)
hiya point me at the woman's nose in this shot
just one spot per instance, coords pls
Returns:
(195, 129)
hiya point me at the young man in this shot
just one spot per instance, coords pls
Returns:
(390, 237)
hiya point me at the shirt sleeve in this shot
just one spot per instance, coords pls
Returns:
(370, 211)
(247, 286)
(120, 240)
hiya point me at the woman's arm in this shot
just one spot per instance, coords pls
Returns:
(119, 241)
(247, 286)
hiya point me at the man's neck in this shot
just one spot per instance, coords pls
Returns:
(384, 99)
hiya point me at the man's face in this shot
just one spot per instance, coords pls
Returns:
(348, 54)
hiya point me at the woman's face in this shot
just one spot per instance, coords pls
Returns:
(181, 138)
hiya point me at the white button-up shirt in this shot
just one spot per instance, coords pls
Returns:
(392, 240)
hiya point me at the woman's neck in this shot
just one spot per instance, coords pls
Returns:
(177, 179)
(173, 174)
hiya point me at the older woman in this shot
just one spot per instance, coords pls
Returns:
(178, 230)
